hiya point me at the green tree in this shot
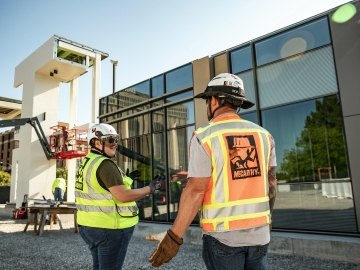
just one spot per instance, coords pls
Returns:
(5, 178)
(61, 172)
(320, 145)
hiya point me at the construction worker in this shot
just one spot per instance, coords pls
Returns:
(106, 208)
(59, 188)
(231, 179)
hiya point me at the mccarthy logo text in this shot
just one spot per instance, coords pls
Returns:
(246, 173)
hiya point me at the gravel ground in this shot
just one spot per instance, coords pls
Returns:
(63, 249)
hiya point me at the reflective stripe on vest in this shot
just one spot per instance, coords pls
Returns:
(238, 193)
(96, 206)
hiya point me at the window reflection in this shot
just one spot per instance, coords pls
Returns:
(299, 40)
(157, 103)
(165, 155)
(187, 94)
(303, 206)
(180, 114)
(309, 76)
(160, 202)
(248, 80)
(312, 167)
(113, 103)
(157, 86)
(141, 89)
(130, 96)
(179, 79)
(135, 126)
(309, 135)
(178, 141)
(103, 109)
(241, 60)
(158, 120)
(137, 158)
(250, 117)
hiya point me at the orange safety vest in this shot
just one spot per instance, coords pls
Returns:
(237, 197)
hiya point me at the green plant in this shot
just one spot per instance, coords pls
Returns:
(5, 178)
(61, 172)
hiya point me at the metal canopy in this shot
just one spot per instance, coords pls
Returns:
(9, 108)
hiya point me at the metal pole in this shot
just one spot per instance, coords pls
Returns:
(114, 63)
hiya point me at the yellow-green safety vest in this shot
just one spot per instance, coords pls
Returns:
(59, 182)
(96, 207)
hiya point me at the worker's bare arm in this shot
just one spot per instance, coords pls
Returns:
(272, 187)
(190, 202)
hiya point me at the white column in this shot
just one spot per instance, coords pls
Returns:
(96, 82)
(71, 171)
(71, 163)
(35, 174)
(73, 101)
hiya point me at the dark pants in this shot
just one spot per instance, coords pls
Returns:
(218, 256)
(58, 194)
(108, 246)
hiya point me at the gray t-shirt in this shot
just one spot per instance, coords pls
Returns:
(200, 166)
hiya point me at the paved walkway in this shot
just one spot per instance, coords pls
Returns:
(63, 249)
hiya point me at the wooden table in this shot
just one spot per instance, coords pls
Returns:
(53, 212)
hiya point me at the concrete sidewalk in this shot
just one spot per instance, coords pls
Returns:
(323, 247)
(62, 248)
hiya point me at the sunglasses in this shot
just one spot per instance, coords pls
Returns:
(110, 139)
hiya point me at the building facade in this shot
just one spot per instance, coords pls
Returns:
(304, 81)
(7, 144)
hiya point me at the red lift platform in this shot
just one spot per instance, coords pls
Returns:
(68, 143)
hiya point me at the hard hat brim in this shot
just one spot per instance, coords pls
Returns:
(206, 94)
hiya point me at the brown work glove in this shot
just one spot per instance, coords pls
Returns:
(166, 249)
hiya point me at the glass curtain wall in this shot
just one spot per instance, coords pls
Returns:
(314, 186)
(294, 85)
(155, 120)
(291, 77)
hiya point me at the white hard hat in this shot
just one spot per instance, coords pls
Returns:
(101, 131)
(227, 85)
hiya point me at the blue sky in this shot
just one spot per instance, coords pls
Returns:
(146, 37)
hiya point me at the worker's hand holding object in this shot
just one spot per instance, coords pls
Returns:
(155, 184)
(167, 248)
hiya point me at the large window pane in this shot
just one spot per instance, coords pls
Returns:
(179, 79)
(241, 60)
(159, 154)
(252, 116)
(158, 120)
(103, 109)
(187, 94)
(135, 126)
(136, 157)
(303, 206)
(180, 114)
(298, 40)
(312, 169)
(157, 86)
(141, 89)
(157, 103)
(159, 159)
(248, 80)
(132, 95)
(113, 103)
(307, 76)
(178, 141)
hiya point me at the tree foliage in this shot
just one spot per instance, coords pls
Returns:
(319, 146)
(5, 178)
(61, 172)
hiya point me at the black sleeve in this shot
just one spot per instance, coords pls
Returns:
(108, 174)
